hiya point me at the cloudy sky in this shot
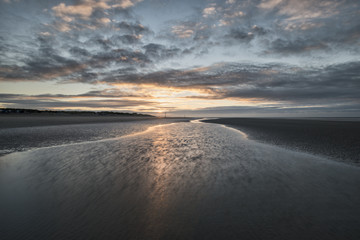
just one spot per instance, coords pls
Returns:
(190, 57)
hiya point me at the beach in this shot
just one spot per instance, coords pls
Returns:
(338, 139)
(173, 180)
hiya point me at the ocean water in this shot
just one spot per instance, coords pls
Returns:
(176, 181)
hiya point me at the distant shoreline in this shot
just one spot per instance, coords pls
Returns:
(33, 120)
(336, 139)
(21, 111)
(14, 117)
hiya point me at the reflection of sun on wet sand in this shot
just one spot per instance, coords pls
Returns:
(159, 198)
(170, 182)
(176, 181)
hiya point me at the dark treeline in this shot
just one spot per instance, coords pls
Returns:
(52, 112)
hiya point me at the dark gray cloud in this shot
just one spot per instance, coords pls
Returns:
(133, 28)
(41, 63)
(222, 74)
(107, 93)
(272, 82)
(48, 62)
(158, 51)
(240, 35)
(121, 55)
(109, 98)
(335, 83)
(103, 43)
(95, 104)
(126, 39)
(77, 51)
(259, 30)
(295, 46)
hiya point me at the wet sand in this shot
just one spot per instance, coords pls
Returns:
(338, 139)
(177, 181)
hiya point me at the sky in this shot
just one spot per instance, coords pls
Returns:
(276, 58)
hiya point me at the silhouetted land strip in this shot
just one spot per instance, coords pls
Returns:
(11, 118)
(19, 111)
(332, 138)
